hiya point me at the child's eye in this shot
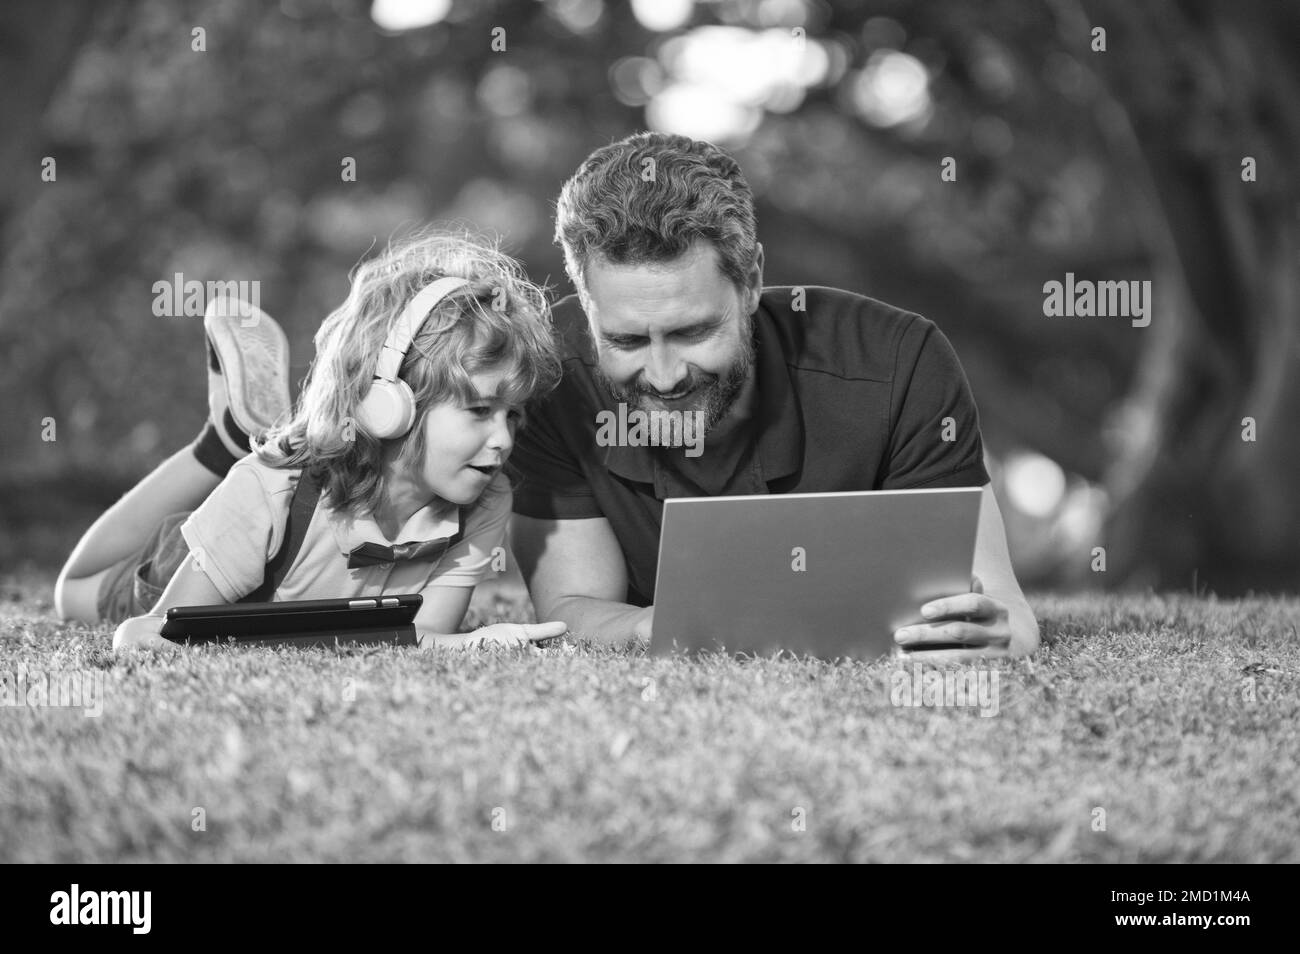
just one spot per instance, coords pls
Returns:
(481, 410)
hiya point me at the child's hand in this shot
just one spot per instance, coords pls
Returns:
(141, 632)
(501, 634)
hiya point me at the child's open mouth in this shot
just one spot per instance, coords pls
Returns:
(485, 469)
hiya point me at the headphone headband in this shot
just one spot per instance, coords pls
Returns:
(409, 323)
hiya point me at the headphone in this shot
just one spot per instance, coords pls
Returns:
(388, 409)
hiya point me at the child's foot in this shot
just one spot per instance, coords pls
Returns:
(248, 372)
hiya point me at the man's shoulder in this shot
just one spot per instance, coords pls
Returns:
(838, 332)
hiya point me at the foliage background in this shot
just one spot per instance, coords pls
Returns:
(1123, 164)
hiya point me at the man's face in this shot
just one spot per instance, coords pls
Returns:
(673, 336)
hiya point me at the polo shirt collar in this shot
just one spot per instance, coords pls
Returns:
(634, 463)
(430, 522)
(780, 439)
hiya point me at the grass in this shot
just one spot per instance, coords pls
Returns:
(1137, 706)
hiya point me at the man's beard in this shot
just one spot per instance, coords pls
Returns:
(712, 394)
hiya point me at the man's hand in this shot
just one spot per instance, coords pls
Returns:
(500, 634)
(575, 571)
(141, 633)
(978, 622)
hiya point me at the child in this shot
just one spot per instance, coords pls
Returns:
(410, 488)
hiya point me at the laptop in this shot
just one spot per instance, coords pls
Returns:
(363, 621)
(827, 575)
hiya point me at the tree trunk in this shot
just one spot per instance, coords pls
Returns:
(1192, 500)
(39, 42)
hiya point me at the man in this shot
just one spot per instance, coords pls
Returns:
(798, 390)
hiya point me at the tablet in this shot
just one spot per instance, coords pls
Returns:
(371, 620)
(830, 575)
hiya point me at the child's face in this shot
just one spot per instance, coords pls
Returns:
(468, 443)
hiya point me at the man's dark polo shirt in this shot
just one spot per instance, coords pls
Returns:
(852, 395)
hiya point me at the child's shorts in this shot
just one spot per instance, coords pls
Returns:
(134, 584)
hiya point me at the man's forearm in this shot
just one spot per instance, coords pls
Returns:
(603, 620)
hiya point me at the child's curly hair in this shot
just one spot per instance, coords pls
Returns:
(499, 321)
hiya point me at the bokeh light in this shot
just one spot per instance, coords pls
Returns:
(1083, 515)
(1035, 484)
(722, 79)
(635, 80)
(662, 15)
(892, 89)
(397, 16)
(701, 113)
(578, 16)
(505, 91)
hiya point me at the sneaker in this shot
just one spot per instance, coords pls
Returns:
(248, 371)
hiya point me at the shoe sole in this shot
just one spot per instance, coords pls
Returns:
(254, 356)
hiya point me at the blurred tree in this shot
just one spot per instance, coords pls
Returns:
(38, 44)
(1194, 88)
(225, 164)
(1120, 163)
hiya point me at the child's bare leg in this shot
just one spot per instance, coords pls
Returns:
(247, 391)
(178, 483)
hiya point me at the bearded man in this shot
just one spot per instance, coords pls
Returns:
(798, 389)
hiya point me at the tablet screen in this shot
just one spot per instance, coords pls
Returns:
(363, 620)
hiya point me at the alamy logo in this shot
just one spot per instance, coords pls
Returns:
(57, 689)
(937, 690)
(1087, 299)
(637, 428)
(102, 907)
(181, 298)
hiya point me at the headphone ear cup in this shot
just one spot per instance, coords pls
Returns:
(388, 409)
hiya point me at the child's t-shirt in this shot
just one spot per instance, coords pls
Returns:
(241, 525)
